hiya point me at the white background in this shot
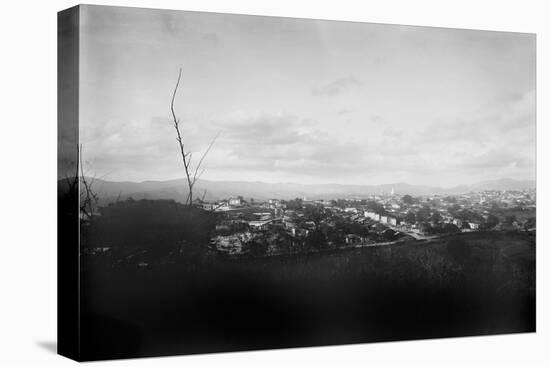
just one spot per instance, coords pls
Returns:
(28, 184)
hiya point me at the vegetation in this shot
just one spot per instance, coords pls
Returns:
(465, 284)
(156, 226)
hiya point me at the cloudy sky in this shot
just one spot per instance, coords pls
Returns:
(304, 101)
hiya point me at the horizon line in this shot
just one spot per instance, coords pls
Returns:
(320, 184)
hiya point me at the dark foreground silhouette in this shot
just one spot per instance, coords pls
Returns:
(164, 299)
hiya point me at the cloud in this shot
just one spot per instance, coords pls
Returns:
(211, 37)
(343, 111)
(392, 132)
(508, 122)
(337, 87)
(498, 159)
(266, 129)
(283, 143)
(286, 145)
(376, 118)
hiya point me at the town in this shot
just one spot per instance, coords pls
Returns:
(285, 227)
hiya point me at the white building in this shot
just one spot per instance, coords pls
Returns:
(372, 215)
(474, 226)
(235, 201)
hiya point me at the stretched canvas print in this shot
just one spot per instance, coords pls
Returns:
(235, 182)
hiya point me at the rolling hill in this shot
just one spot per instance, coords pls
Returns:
(214, 190)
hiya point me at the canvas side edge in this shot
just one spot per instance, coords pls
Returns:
(68, 242)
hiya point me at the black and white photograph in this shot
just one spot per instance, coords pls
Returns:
(273, 183)
(247, 182)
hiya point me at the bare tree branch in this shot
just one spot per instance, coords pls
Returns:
(181, 143)
(88, 198)
(186, 157)
(199, 175)
(202, 158)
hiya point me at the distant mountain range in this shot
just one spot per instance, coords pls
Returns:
(177, 189)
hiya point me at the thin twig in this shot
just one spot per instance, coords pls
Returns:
(203, 156)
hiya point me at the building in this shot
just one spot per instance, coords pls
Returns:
(206, 206)
(372, 215)
(259, 224)
(223, 206)
(235, 201)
